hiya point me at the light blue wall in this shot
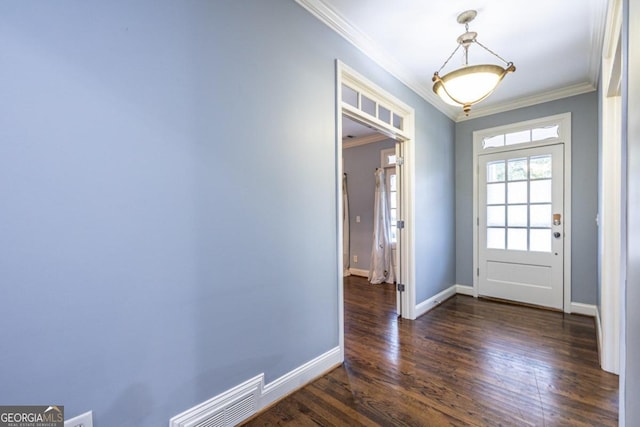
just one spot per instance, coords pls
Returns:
(360, 164)
(584, 181)
(168, 188)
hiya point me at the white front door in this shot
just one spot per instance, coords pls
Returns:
(521, 221)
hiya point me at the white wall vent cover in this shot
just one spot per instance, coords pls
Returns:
(225, 410)
(234, 406)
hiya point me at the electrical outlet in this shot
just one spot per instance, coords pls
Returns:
(82, 420)
(355, 258)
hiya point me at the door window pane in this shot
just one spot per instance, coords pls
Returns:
(517, 169)
(520, 218)
(540, 167)
(495, 238)
(495, 194)
(517, 192)
(495, 216)
(517, 216)
(541, 191)
(517, 239)
(540, 215)
(540, 240)
(495, 171)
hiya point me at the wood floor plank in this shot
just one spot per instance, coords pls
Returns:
(468, 362)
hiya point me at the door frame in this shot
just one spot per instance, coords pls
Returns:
(611, 215)
(405, 134)
(564, 121)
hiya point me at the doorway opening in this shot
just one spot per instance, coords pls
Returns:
(364, 103)
(371, 198)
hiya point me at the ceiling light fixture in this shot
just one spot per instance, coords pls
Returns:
(469, 84)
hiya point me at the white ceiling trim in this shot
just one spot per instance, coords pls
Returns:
(597, 41)
(479, 111)
(358, 39)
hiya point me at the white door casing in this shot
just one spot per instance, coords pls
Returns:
(521, 218)
(393, 118)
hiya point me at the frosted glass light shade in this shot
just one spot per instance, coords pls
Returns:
(470, 84)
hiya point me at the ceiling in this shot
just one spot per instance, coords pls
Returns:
(555, 45)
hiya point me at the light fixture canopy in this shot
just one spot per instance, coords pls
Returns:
(469, 84)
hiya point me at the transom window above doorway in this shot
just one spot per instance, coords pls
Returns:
(536, 134)
(369, 106)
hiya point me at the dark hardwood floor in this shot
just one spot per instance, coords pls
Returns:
(466, 362)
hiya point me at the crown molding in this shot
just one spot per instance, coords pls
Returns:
(598, 26)
(362, 42)
(566, 92)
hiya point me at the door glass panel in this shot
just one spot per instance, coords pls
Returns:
(495, 238)
(392, 182)
(495, 194)
(517, 192)
(541, 191)
(540, 215)
(540, 240)
(540, 167)
(495, 216)
(517, 216)
(517, 169)
(495, 171)
(517, 239)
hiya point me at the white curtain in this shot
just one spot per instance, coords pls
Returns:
(381, 268)
(345, 228)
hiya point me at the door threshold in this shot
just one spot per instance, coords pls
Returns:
(518, 303)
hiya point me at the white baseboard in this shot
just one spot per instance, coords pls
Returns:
(299, 377)
(584, 309)
(599, 335)
(434, 301)
(464, 290)
(359, 272)
(241, 402)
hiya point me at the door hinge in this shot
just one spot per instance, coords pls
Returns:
(477, 220)
(399, 161)
(400, 287)
(400, 224)
(478, 271)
